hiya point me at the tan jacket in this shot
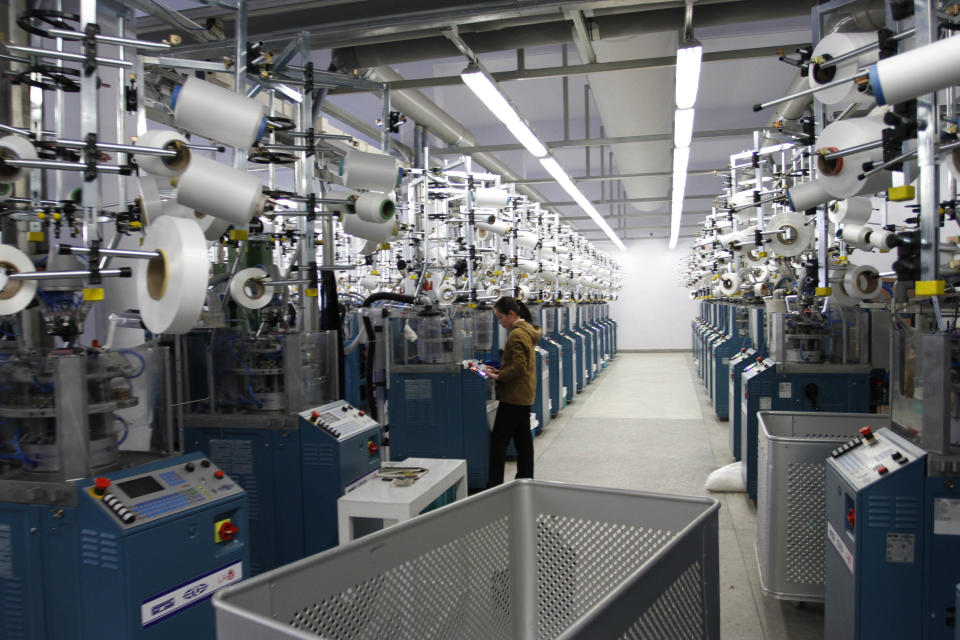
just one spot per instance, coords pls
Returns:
(517, 383)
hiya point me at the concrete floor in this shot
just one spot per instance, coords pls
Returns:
(646, 423)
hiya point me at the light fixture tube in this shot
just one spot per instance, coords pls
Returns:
(557, 173)
(682, 127)
(491, 96)
(688, 74)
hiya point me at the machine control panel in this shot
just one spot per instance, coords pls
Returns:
(340, 419)
(147, 497)
(871, 456)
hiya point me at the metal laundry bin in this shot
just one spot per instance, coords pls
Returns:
(529, 559)
(791, 521)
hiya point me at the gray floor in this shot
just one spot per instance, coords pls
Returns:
(646, 423)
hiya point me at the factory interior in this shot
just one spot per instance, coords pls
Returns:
(254, 257)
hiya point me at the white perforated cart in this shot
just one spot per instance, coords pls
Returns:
(529, 559)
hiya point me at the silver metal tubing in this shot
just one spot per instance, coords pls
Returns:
(300, 212)
(320, 136)
(808, 92)
(853, 53)
(62, 165)
(127, 42)
(842, 153)
(62, 55)
(114, 253)
(68, 275)
(127, 148)
(23, 132)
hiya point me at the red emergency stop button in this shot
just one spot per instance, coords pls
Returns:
(314, 415)
(372, 448)
(867, 434)
(851, 517)
(227, 531)
(100, 485)
(218, 474)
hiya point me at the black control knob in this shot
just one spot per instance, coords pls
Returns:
(204, 463)
(189, 466)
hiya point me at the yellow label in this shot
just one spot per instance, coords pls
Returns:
(93, 295)
(374, 272)
(472, 305)
(761, 254)
(239, 234)
(35, 236)
(413, 276)
(136, 224)
(901, 194)
(311, 293)
(843, 260)
(931, 287)
(824, 291)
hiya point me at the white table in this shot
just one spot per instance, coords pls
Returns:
(392, 504)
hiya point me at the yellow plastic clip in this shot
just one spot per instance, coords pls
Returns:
(35, 236)
(136, 224)
(239, 235)
(41, 216)
(931, 287)
(93, 295)
(901, 194)
(472, 305)
(761, 254)
(311, 293)
(374, 272)
(824, 291)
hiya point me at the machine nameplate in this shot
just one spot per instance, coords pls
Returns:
(766, 404)
(900, 547)
(841, 548)
(946, 517)
(786, 390)
(234, 456)
(163, 605)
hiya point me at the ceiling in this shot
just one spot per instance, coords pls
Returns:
(740, 68)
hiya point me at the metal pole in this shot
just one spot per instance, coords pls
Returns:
(385, 118)
(240, 70)
(925, 20)
(89, 126)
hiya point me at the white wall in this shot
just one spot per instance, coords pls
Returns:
(654, 311)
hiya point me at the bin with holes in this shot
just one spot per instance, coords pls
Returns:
(791, 521)
(528, 559)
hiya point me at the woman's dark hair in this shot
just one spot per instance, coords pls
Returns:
(506, 304)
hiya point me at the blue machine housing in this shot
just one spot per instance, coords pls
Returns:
(796, 387)
(79, 572)
(442, 411)
(294, 469)
(555, 351)
(723, 351)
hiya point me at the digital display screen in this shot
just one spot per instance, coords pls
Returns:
(140, 486)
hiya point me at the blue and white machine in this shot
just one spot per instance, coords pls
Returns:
(441, 405)
(738, 363)
(570, 357)
(893, 504)
(294, 468)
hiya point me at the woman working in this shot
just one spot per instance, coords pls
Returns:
(516, 390)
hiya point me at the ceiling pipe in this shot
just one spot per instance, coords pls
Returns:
(557, 32)
(418, 107)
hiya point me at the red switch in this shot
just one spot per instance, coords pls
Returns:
(227, 531)
(851, 517)
(314, 415)
(218, 474)
(100, 485)
(372, 448)
(882, 469)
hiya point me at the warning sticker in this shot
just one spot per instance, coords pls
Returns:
(841, 548)
(946, 517)
(766, 404)
(900, 547)
(786, 389)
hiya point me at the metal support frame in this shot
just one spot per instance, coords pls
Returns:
(928, 135)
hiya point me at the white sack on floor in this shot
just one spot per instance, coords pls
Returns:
(726, 478)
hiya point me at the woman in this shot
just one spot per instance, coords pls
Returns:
(516, 390)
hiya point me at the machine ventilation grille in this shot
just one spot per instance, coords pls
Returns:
(581, 561)
(13, 598)
(318, 455)
(459, 590)
(900, 512)
(677, 614)
(100, 549)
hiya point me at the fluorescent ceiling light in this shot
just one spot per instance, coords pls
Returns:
(557, 173)
(682, 127)
(681, 158)
(688, 74)
(491, 96)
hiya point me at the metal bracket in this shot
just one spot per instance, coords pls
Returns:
(90, 48)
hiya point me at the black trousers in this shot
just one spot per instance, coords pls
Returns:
(512, 421)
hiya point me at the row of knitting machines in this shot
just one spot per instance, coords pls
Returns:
(827, 329)
(213, 324)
